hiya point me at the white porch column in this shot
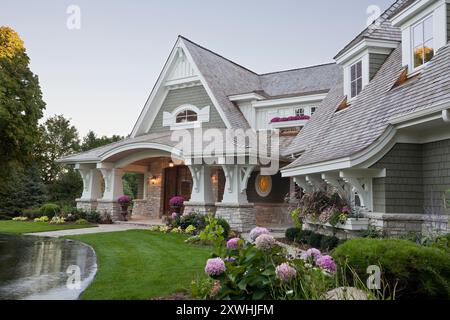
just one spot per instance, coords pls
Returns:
(235, 207)
(202, 198)
(92, 186)
(113, 182)
(236, 183)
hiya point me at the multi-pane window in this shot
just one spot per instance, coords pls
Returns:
(186, 116)
(356, 79)
(313, 110)
(299, 112)
(423, 49)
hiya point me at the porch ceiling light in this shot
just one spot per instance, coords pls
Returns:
(171, 164)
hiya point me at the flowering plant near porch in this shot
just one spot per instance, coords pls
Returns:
(124, 200)
(176, 201)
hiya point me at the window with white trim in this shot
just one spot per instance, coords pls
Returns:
(186, 116)
(422, 42)
(313, 110)
(356, 79)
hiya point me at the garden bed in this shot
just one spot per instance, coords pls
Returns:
(18, 227)
(350, 229)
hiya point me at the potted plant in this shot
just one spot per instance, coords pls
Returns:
(176, 203)
(124, 202)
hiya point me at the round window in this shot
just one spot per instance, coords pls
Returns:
(263, 185)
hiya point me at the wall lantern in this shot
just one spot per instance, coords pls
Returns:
(153, 180)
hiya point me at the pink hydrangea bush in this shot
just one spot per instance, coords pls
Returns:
(285, 272)
(215, 267)
(256, 232)
(233, 243)
(265, 242)
(312, 253)
(327, 263)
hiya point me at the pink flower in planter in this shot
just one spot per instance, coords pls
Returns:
(233, 243)
(176, 201)
(326, 263)
(124, 200)
(215, 267)
(285, 272)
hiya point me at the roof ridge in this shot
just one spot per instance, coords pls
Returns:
(296, 69)
(218, 55)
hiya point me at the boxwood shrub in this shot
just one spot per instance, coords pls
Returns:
(419, 272)
(312, 239)
(32, 213)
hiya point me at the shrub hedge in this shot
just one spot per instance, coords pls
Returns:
(32, 213)
(419, 272)
(50, 210)
(313, 239)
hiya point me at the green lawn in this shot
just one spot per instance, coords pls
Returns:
(139, 264)
(17, 227)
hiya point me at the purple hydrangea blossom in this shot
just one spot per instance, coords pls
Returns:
(233, 243)
(327, 263)
(215, 267)
(176, 201)
(256, 232)
(285, 272)
(230, 259)
(174, 215)
(265, 242)
(312, 253)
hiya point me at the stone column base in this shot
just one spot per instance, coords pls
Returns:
(87, 205)
(144, 208)
(109, 207)
(199, 207)
(240, 217)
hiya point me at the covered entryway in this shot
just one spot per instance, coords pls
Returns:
(177, 182)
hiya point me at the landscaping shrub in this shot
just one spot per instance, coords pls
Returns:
(312, 239)
(57, 220)
(292, 234)
(41, 219)
(226, 227)
(2, 217)
(420, 272)
(32, 213)
(93, 217)
(82, 222)
(328, 243)
(195, 219)
(50, 210)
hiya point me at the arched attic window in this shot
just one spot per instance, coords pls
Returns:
(186, 115)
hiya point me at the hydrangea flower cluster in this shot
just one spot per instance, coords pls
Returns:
(256, 232)
(233, 243)
(215, 267)
(285, 272)
(176, 201)
(265, 242)
(312, 253)
(326, 263)
(174, 215)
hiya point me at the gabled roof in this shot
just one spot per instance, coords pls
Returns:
(330, 135)
(381, 28)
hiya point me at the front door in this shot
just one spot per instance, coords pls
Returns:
(177, 182)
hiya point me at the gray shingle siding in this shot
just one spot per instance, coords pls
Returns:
(417, 177)
(448, 22)
(375, 62)
(196, 96)
(436, 176)
(402, 189)
(280, 189)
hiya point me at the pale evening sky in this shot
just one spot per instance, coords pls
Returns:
(101, 75)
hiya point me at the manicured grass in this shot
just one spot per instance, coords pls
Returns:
(18, 227)
(140, 264)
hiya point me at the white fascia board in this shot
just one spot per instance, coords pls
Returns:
(367, 46)
(246, 97)
(287, 101)
(407, 120)
(402, 17)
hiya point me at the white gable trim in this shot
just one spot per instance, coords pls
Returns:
(160, 91)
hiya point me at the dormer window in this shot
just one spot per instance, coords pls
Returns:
(313, 110)
(356, 79)
(422, 34)
(186, 116)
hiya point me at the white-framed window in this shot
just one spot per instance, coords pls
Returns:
(186, 116)
(422, 42)
(356, 79)
(313, 110)
(299, 112)
(263, 185)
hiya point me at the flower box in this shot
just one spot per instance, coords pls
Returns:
(352, 224)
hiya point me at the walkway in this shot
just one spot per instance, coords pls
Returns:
(116, 227)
